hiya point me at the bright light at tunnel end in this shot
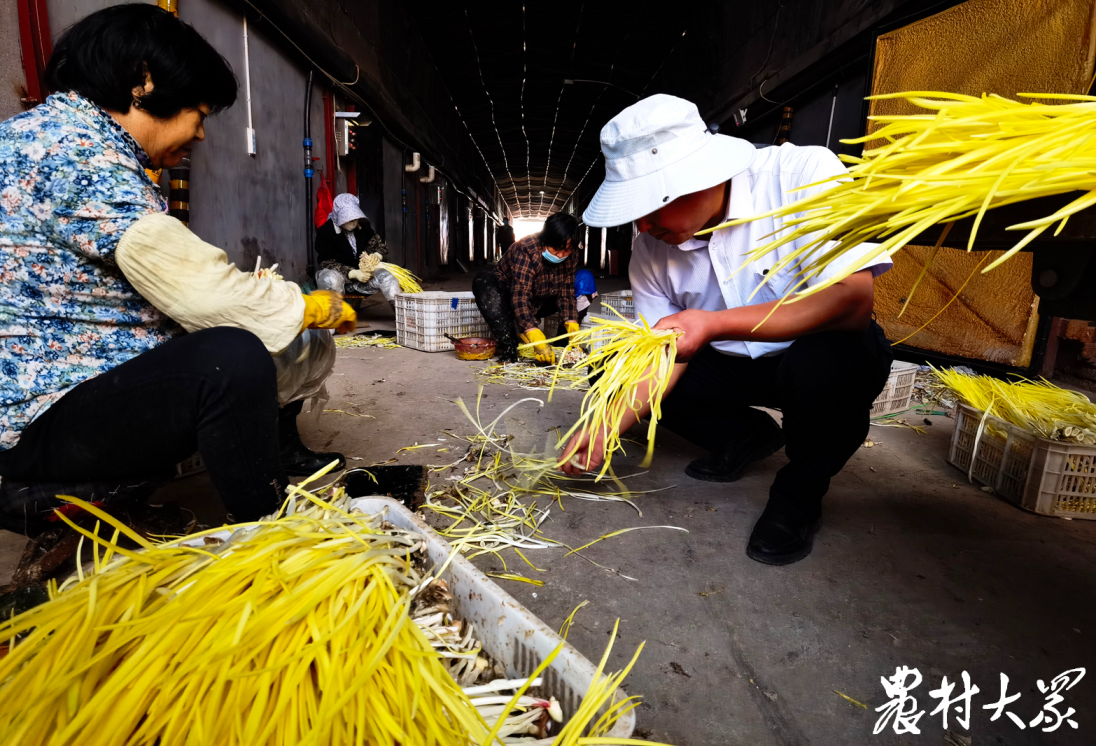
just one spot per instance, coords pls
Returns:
(526, 227)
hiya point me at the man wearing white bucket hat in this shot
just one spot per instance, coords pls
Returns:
(822, 360)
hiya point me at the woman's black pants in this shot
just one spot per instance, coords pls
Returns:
(493, 301)
(213, 391)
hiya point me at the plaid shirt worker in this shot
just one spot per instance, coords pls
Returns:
(531, 281)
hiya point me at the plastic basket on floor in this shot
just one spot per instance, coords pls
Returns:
(895, 396)
(588, 323)
(621, 301)
(1044, 476)
(423, 319)
(510, 633)
(550, 325)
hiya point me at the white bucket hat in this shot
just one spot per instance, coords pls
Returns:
(657, 150)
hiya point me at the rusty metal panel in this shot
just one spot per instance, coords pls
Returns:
(981, 46)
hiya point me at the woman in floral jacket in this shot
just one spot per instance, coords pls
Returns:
(97, 381)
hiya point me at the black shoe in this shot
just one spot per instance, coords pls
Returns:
(301, 462)
(781, 540)
(297, 459)
(728, 463)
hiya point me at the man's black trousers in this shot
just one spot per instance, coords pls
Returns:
(824, 385)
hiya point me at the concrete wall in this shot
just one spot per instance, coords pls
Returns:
(254, 205)
(64, 13)
(245, 205)
(12, 80)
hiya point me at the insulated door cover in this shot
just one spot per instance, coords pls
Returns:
(982, 46)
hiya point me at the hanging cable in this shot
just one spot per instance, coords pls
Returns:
(563, 182)
(562, 88)
(664, 61)
(524, 76)
(578, 140)
(490, 100)
(357, 98)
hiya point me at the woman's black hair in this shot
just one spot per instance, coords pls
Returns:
(107, 54)
(558, 228)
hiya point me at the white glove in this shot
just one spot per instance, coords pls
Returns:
(357, 274)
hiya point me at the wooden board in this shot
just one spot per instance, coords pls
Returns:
(980, 46)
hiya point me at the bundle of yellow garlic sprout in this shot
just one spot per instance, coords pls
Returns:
(623, 357)
(1039, 407)
(971, 155)
(409, 283)
(296, 630)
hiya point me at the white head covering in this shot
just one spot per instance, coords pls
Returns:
(657, 150)
(344, 209)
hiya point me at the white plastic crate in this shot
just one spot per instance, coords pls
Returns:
(895, 396)
(510, 634)
(1044, 476)
(550, 324)
(588, 323)
(621, 301)
(423, 319)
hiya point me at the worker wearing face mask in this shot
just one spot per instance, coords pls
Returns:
(534, 279)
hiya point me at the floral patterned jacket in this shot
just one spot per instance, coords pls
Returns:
(72, 180)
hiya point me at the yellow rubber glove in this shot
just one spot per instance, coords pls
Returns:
(543, 352)
(572, 327)
(325, 309)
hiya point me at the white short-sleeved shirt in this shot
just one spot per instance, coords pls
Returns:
(703, 275)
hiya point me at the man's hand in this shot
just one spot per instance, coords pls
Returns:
(587, 452)
(698, 328)
(572, 327)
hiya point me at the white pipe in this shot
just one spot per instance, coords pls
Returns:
(833, 105)
(251, 145)
(414, 165)
(427, 179)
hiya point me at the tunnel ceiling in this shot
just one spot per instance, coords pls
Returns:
(505, 65)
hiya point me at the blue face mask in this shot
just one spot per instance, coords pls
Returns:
(553, 258)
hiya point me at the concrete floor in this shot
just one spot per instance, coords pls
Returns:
(913, 567)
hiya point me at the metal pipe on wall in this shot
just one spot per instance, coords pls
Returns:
(34, 38)
(179, 205)
(252, 146)
(308, 172)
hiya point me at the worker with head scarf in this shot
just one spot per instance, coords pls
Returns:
(341, 244)
(739, 348)
(534, 279)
